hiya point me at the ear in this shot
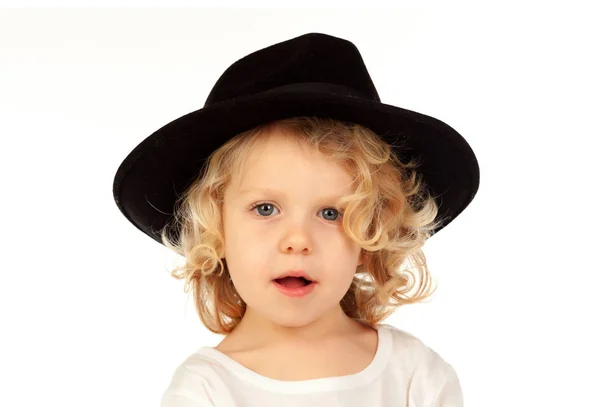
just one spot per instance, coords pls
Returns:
(361, 258)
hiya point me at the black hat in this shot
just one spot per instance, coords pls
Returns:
(314, 75)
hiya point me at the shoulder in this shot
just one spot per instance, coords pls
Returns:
(192, 383)
(432, 379)
(413, 350)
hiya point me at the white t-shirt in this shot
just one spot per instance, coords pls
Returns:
(403, 373)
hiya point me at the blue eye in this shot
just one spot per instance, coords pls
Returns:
(262, 206)
(329, 211)
(265, 209)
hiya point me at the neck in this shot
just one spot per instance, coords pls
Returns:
(259, 331)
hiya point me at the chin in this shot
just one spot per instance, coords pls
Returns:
(290, 318)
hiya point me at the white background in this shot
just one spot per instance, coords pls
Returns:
(90, 315)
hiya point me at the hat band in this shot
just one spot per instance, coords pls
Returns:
(321, 87)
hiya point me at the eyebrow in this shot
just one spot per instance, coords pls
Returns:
(267, 191)
(259, 191)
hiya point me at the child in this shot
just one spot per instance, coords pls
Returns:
(300, 204)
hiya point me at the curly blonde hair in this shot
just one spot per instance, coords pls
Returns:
(390, 215)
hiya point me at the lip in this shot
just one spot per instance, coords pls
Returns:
(295, 292)
(296, 273)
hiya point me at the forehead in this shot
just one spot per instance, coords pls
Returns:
(280, 161)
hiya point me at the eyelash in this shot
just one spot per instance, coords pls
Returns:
(256, 205)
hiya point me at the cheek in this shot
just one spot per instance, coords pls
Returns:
(246, 256)
(348, 247)
(244, 241)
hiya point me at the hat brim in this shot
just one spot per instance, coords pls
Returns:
(156, 172)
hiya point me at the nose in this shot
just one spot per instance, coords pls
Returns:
(297, 241)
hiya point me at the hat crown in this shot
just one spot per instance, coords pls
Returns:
(314, 75)
(309, 58)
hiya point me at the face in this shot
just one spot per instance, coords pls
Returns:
(295, 226)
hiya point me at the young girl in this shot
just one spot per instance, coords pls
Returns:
(300, 204)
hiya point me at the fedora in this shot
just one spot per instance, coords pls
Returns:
(314, 75)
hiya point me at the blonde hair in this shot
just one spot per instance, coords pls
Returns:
(390, 215)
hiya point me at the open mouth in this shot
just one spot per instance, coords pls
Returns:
(293, 282)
